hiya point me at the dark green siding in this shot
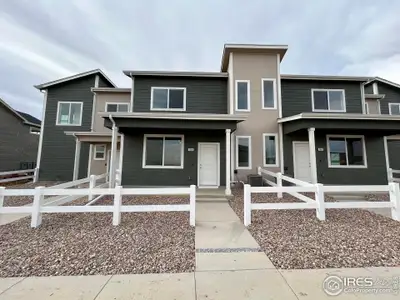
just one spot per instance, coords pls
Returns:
(394, 154)
(369, 89)
(392, 95)
(104, 82)
(134, 174)
(374, 174)
(203, 95)
(296, 95)
(17, 144)
(58, 150)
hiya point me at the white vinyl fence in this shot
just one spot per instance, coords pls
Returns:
(22, 175)
(319, 190)
(37, 209)
(394, 175)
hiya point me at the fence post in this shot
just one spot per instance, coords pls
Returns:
(192, 205)
(117, 206)
(390, 175)
(92, 185)
(247, 204)
(2, 189)
(394, 193)
(259, 170)
(279, 183)
(36, 175)
(36, 218)
(320, 200)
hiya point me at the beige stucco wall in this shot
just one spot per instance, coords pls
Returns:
(98, 167)
(373, 106)
(254, 67)
(101, 98)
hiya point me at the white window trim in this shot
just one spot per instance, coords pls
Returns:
(274, 93)
(168, 88)
(144, 166)
(34, 132)
(117, 103)
(365, 166)
(390, 107)
(95, 151)
(248, 95)
(237, 152)
(328, 90)
(69, 102)
(276, 164)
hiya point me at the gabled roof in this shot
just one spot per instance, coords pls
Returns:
(387, 82)
(26, 118)
(73, 77)
(131, 73)
(325, 77)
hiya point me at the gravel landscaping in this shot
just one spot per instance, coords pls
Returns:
(24, 200)
(88, 243)
(296, 239)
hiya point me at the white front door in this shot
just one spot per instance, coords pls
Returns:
(208, 165)
(301, 161)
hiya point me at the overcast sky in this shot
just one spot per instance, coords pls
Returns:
(44, 40)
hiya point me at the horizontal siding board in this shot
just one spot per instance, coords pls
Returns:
(203, 95)
(296, 95)
(134, 174)
(58, 151)
(394, 157)
(17, 144)
(392, 95)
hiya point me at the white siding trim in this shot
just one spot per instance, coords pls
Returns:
(375, 88)
(274, 93)
(90, 160)
(365, 166)
(276, 164)
(168, 88)
(96, 85)
(237, 152)
(132, 92)
(328, 90)
(39, 152)
(278, 87)
(145, 136)
(281, 158)
(231, 85)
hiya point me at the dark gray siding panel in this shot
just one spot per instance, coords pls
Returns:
(17, 144)
(203, 95)
(134, 174)
(368, 89)
(103, 82)
(394, 155)
(296, 95)
(374, 174)
(392, 95)
(58, 151)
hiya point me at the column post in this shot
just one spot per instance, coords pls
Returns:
(113, 167)
(313, 157)
(77, 158)
(228, 191)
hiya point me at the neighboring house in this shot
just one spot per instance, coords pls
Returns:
(212, 128)
(19, 139)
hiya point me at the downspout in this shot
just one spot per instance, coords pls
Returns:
(111, 174)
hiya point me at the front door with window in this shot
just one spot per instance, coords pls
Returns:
(208, 165)
(301, 161)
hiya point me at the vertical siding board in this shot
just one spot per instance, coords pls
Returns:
(58, 150)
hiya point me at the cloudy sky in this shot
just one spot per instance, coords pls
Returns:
(44, 40)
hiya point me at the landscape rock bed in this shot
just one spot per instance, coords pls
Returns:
(88, 243)
(296, 239)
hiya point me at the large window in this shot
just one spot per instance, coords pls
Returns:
(163, 151)
(242, 95)
(69, 113)
(328, 100)
(117, 107)
(268, 93)
(347, 151)
(168, 98)
(394, 108)
(270, 149)
(243, 152)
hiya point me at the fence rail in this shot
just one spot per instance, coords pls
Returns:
(33, 174)
(319, 203)
(39, 207)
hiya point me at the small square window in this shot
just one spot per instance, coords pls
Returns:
(99, 152)
(394, 108)
(117, 107)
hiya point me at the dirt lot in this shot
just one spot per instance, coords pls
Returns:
(88, 243)
(296, 239)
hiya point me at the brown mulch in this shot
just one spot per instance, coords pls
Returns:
(24, 200)
(88, 243)
(296, 239)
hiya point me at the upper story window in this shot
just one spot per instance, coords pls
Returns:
(117, 107)
(69, 113)
(242, 95)
(268, 93)
(328, 100)
(168, 98)
(394, 108)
